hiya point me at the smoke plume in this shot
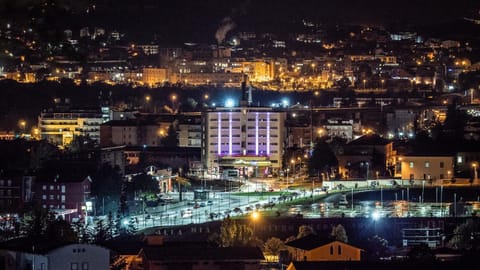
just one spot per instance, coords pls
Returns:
(226, 25)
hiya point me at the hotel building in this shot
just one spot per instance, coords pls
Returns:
(247, 139)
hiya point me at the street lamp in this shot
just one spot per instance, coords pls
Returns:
(255, 216)
(475, 172)
(293, 165)
(23, 124)
(364, 84)
(173, 97)
(367, 166)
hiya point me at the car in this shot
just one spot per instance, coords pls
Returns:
(196, 205)
(210, 202)
(202, 204)
(187, 213)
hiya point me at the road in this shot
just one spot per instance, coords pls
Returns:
(376, 203)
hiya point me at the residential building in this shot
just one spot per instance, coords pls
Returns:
(425, 167)
(368, 156)
(227, 79)
(314, 248)
(249, 139)
(338, 128)
(154, 76)
(67, 197)
(52, 256)
(80, 257)
(190, 130)
(132, 132)
(200, 258)
(114, 156)
(15, 190)
(60, 127)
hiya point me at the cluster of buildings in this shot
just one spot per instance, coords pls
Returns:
(365, 58)
(252, 141)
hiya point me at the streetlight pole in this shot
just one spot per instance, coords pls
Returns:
(352, 199)
(423, 190)
(454, 204)
(381, 196)
(441, 200)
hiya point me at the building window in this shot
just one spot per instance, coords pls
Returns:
(427, 164)
(63, 198)
(459, 159)
(9, 182)
(331, 250)
(51, 187)
(2, 182)
(442, 164)
(44, 187)
(85, 266)
(339, 250)
(73, 266)
(44, 197)
(411, 164)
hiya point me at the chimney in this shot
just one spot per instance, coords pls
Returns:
(244, 101)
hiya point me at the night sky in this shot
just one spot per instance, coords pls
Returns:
(185, 20)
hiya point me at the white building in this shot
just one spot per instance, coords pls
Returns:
(245, 138)
(73, 256)
(60, 127)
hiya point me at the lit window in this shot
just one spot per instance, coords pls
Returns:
(427, 164)
(73, 266)
(459, 159)
(411, 164)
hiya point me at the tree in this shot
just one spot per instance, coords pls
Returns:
(274, 246)
(323, 159)
(81, 144)
(181, 181)
(81, 230)
(41, 153)
(464, 235)
(102, 232)
(305, 230)
(41, 223)
(60, 230)
(106, 184)
(146, 184)
(421, 253)
(235, 235)
(171, 140)
(338, 233)
(376, 247)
